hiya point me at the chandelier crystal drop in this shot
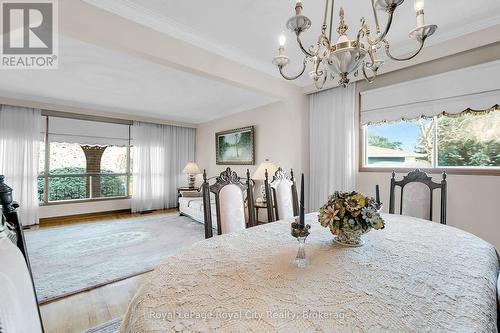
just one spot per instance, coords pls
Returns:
(346, 56)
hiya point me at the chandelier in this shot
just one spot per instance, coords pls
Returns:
(346, 56)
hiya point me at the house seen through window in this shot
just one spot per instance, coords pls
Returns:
(468, 140)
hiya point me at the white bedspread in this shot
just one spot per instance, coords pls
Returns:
(413, 276)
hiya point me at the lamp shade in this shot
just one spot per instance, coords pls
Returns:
(191, 169)
(260, 173)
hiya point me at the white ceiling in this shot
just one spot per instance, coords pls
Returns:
(105, 80)
(248, 30)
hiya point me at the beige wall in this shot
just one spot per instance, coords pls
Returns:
(281, 135)
(471, 199)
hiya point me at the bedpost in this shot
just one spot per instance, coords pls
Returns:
(250, 202)
(207, 207)
(269, 199)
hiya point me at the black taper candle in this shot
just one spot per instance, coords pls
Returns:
(302, 212)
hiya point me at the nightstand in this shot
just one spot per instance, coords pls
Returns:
(258, 206)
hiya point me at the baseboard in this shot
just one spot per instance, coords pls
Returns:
(46, 220)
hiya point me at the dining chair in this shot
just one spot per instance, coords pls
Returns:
(234, 202)
(416, 195)
(282, 190)
(19, 311)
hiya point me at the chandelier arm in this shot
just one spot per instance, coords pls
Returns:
(367, 77)
(319, 87)
(307, 53)
(324, 26)
(411, 56)
(377, 24)
(386, 30)
(291, 78)
(373, 59)
(331, 20)
(317, 71)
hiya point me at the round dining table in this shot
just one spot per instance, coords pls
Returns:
(412, 276)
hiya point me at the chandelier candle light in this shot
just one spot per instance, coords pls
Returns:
(346, 56)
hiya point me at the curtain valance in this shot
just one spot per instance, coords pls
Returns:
(87, 132)
(476, 87)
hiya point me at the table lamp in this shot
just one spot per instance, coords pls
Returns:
(191, 169)
(260, 174)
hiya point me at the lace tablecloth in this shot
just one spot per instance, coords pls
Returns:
(413, 276)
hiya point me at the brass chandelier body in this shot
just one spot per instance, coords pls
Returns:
(346, 56)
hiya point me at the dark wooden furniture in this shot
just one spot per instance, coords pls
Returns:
(258, 206)
(279, 175)
(419, 177)
(10, 220)
(227, 177)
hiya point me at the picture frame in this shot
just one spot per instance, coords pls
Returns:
(236, 146)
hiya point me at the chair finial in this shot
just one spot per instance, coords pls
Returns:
(204, 175)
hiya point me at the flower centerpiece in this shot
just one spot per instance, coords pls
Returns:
(349, 215)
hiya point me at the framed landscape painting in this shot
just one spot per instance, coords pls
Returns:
(235, 147)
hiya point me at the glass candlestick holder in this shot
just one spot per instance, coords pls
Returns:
(301, 232)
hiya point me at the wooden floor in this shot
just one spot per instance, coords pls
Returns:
(76, 313)
(79, 312)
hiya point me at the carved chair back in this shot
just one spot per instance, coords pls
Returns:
(18, 287)
(229, 192)
(417, 190)
(282, 193)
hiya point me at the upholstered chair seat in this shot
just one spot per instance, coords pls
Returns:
(283, 193)
(233, 203)
(416, 200)
(283, 197)
(416, 195)
(232, 209)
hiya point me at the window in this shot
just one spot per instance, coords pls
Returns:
(469, 140)
(83, 166)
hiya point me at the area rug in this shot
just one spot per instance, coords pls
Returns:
(110, 327)
(69, 259)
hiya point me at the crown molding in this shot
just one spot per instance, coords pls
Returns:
(138, 14)
(153, 20)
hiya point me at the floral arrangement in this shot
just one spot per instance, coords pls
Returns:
(350, 212)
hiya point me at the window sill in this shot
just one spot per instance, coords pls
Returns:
(76, 201)
(449, 171)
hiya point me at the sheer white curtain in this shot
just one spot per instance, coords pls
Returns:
(160, 154)
(332, 143)
(19, 153)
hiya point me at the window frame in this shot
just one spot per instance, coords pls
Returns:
(45, 175)
(362, 138)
